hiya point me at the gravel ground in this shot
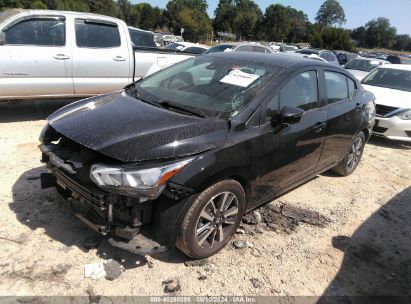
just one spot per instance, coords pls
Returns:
(364, 250)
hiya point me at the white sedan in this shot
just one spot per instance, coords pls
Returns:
(361, 67)
(391, 85)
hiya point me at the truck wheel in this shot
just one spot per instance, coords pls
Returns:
(212, 219)
(353, 157)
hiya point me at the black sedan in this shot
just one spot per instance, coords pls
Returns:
(179, 157)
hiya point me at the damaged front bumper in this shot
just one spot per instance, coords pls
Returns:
(130, 222)
(95, 209)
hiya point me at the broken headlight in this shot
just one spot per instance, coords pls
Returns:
(140, 182)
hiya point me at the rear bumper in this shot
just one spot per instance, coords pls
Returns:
(393, 128)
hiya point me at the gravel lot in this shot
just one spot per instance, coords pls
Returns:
(364, 250)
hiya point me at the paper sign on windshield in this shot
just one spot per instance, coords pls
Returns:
(239, 78)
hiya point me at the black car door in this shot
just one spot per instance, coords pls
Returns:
(344, 116)
(286, 154)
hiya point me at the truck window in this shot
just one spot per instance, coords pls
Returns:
(141, 38)
(40, 32)
(96, 35)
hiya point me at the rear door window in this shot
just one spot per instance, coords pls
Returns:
(337, 86)
(93, 34)
(38, 31)
(141, 38)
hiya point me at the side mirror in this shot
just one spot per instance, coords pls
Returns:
(291, 115)
(2, 38)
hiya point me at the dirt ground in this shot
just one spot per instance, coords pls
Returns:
(364, 250)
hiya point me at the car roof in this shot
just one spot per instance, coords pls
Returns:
(403, 67)
(67, 13)
(279, 60)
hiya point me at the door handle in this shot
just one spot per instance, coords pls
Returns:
(61, 57)
(119, 58)
(319, 126)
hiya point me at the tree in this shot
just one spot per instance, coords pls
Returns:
(379, 33)
(332, 39)
(190, 15)
(358, 35)
(276, 22)
(247, 19)
(330, 13)
(402, 42)
(103, 7)
(224, 16)
(145, 16)
(298, 24)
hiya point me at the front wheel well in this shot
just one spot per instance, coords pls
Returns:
(367, 134)
(226, 175)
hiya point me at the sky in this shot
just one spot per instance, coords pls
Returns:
(357, 12)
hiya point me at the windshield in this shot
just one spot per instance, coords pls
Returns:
(390, 78)
(174, 46)
(206, 85)
(362, 65)
(220, 48)
(7, 14)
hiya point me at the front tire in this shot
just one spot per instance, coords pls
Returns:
(353, 157)
(212, 219)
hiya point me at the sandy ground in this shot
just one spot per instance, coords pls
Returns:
(365, 250)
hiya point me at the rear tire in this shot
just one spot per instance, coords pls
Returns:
(212, 219)
(353, 157)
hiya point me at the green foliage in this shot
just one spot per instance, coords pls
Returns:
(330, 13)
(241, 17)
(190, 15)
(332, 39)
(379, 33)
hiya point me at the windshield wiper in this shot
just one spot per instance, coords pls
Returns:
(168, 105)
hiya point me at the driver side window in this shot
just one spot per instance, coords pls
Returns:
(299, 92)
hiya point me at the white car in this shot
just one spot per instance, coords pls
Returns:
(361, 67)
(187, 47)
(391, 86)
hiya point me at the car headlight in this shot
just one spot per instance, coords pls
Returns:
(406, 115)
(141, 182)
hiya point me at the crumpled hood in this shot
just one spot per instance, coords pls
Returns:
(390, 97)
(127, 129)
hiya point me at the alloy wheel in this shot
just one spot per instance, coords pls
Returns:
(216, 219)
(355, 153)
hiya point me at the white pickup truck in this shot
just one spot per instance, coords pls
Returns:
(67, 54)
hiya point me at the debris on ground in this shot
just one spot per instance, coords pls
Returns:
(239, 244)
(94, 270)
(240, 231)
(202, 277)
(256, 252)
(249, 244)
(113, 269)
(60, 269)
(110, 270)
(256, 282)
(92, 296)
(202, 262)
(283, 217)
(171, 285)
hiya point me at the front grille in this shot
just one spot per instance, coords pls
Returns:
(384, 111)
(96, 197)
